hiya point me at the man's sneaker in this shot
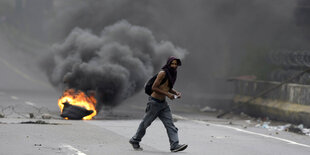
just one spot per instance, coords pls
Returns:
(179, 148)
(135, 145)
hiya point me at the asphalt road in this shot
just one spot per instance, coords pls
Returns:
(22, 93)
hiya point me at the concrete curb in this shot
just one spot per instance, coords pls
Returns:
(274, 109)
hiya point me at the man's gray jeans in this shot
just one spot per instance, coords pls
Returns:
(156, 108)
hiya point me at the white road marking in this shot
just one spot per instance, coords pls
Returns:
(30, 103)
(241, 130)
(71, 148)
(14, 97)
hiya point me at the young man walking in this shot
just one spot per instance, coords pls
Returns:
(158, 107)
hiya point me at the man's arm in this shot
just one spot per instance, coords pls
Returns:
(161, 75)
(173, 91)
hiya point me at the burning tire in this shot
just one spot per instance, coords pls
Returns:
(77, 105)
(74, 112)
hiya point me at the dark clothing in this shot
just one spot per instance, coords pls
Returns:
(156, 108)
(170, 72)
(171, 75)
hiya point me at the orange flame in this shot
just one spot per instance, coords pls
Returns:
(80, 99)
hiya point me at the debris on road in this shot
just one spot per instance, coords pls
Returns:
(299, 129)
(36, 122)
(175, 119)
(31, 115)
(46, 116)
(207, 109)
(40, 122)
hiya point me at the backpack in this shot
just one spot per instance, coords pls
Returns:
(148, 85)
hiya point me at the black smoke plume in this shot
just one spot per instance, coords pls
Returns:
(225, 37)
(115, 63)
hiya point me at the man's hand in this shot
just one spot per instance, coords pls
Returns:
(171, 96)
(178, 94)
(173, 91)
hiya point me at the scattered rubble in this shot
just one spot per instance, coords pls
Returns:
(207, 109)
(299, 129)
(40, 122)
(46, 116)
(34, 122)
(296, 129)
(31, 115)
(244, 115)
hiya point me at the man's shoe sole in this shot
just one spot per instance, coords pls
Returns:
(180, 148)
(137, 149)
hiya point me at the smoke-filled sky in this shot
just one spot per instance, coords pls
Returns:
(223, 38)
(219, 35)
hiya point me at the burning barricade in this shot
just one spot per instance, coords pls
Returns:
(77, 105)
